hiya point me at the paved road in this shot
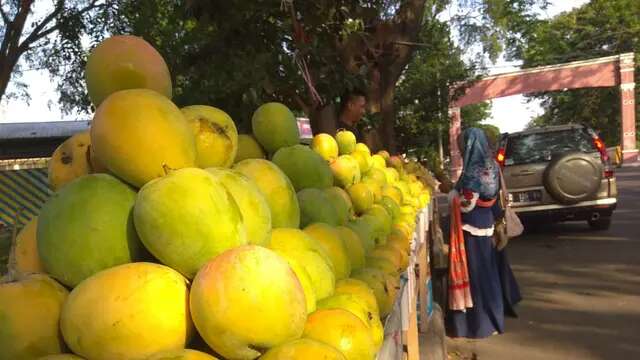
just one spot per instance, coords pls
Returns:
(581, 290)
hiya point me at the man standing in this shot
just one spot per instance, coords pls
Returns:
(352, 109)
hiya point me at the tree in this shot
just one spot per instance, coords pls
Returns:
(47, 41)
(598, 28)
(238, 54)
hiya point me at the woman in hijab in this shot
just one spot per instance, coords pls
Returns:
(476, 297)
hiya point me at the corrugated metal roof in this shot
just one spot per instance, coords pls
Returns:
(38, 130)
(22, 192)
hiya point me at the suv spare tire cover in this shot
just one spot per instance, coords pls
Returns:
(573, 177)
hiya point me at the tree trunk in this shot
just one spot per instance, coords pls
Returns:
(10, 48)
(387, 110)
(324, 120)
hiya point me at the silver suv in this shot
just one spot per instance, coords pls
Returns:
(559, 173)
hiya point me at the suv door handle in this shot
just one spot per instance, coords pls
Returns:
(526, 172)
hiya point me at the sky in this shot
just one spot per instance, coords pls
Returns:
(509, 113)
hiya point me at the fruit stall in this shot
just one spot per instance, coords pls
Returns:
(168, 235)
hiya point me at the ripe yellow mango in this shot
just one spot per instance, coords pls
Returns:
(126, 312)
(303, 349)
(184, 354)
(29, 317)
(276, 188)
(342, 330)
(215, 133)
(140, 135)
(24, 255)
(72, 159)
(248, 148)
(330, 240)
(125, 62)
(247, 299)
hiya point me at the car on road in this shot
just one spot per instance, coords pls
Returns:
(559, 173)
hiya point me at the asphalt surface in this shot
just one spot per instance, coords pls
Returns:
(581, 290)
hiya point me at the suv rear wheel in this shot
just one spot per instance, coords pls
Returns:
(602, 223)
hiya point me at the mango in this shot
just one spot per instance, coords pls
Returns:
(375, 188)
(384, 153)
(70, 160)
(140, 135)
(330, 240)
(386, 265)
(29, 317)
(392, 192)
(361, 197)
(248, 148)
(346, 171)
(359, 308)
(315, 206)
(60, 357)
(364, 161)
(392, 207)
(341, 202)
(125, 62)
(184, 354)
(378, 162)
(303, 276)
(354, 247)
(276, 188)
(252, 204)
(304, 167)
(186, 218)
(107, 315)
(391, 174)
(381, 285)
(325, 145)
(359, 289)
(87, 227)
(363, 148)
(395, 162)
(346, 142)
(24, 255)
(365, 231)
(215, 134)
(380, 212)
(343, 330)
(245, 299)
(303, 349)
(378, 225)
(275, 126)
(377, 175)
(308, 252)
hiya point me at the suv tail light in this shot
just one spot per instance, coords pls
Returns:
(500, 157)
(608, 173)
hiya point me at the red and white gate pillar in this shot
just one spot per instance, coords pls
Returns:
(454, 131)
(628, 109)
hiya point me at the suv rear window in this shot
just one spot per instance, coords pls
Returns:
(540, 147)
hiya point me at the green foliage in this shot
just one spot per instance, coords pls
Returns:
(237, 54)
(599, 28)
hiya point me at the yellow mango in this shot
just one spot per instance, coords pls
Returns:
(140, 135)
(246, 299)
(303, 349)
(29, 317)
(126, 312)
(215, 133)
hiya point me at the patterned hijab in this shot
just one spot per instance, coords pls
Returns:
(480, 171)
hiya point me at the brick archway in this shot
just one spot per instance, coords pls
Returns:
(608, 71)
